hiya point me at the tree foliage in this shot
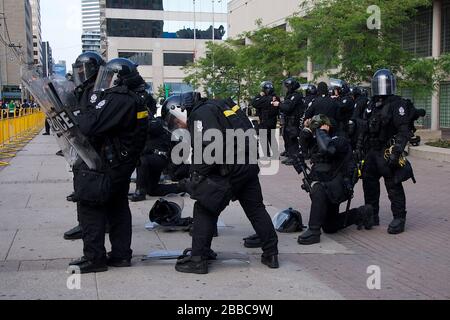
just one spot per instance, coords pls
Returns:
(333, 33)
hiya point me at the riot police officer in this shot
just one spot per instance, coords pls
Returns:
(386, 124)
(292, 109)
(310, 95)
(346, 104)
(214, 185)
(323, 104)
(85, 70)
(267, 109)
(115, 122)
(330, 181)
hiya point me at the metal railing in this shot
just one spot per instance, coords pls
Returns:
(17, 128)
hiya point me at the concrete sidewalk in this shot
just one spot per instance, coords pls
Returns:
(34, 215)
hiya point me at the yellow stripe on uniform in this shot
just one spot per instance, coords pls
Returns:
(229, 113)
(236, 108)
(142, 115)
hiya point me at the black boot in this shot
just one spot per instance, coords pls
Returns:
(270, 261)
(310, 236)
(365, 217)
(192, 264)
(138, 196)
(252, 242)
(397, 226)
(72, 197)
(73, 234)
(284, 154)
(88, 266)
(79, 261)
(211, 256)
(117, 262)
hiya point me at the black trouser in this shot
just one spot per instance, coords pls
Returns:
(269, 148)
(375, 167)
(149, 175)
(47, 126)
(248, 192)
(116, 212)
(291, 142)
(325, 214)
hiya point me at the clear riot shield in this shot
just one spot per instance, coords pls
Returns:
(56, 97)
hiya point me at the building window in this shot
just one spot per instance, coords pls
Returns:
(420, 102)
(135, 28)
(416, 35)
(140, 58)
(177, 88)
(178, 59)
(444, 105)
(135, 4)
(446, 26)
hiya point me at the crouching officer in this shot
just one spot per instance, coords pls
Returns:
(386, 123)
(293, 110)
(330, 182)
(215, 184)
(85, 70)
(115, 122)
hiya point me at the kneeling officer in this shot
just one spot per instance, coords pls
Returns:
(330, 182)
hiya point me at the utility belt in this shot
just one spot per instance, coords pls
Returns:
(115, 153)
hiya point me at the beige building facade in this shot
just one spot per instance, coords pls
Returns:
(160, 36)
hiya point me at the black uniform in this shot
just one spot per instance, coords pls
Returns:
(154, 159)
(221, 183)
(385, 121)
(268, 115)
(324, 105)
(115, 124)
(293, 109)
(346, 108)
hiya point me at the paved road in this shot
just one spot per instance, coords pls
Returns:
(34, 257)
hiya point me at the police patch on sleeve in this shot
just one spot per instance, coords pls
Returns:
(101, 104)
(401, 111)
(94, 98)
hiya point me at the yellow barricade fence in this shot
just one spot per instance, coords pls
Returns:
(17, 129)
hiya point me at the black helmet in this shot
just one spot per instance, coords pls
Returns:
(267, 87)
(340, 85)
(167, 211)
(86, 67)
(117, 72)
(356, 91)
(384, 83)
(322, 88)
(291, 85)
(288, 221)
(311, 90)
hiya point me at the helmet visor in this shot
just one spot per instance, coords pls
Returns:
(107, 78)
(383, 85)
(83, 72)
(174, 116)
(280, 220)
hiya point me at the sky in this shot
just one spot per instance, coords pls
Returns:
(61, 26)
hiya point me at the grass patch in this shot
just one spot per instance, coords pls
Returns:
(440, 144)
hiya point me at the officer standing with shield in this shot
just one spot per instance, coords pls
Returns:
(85, 70)
(116, 124)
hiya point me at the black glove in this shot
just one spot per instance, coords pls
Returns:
(393, 160)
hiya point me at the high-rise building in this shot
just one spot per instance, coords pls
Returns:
(37, 32)
(47, 67)
(90, 12)
(16, 47)
(162, 36)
